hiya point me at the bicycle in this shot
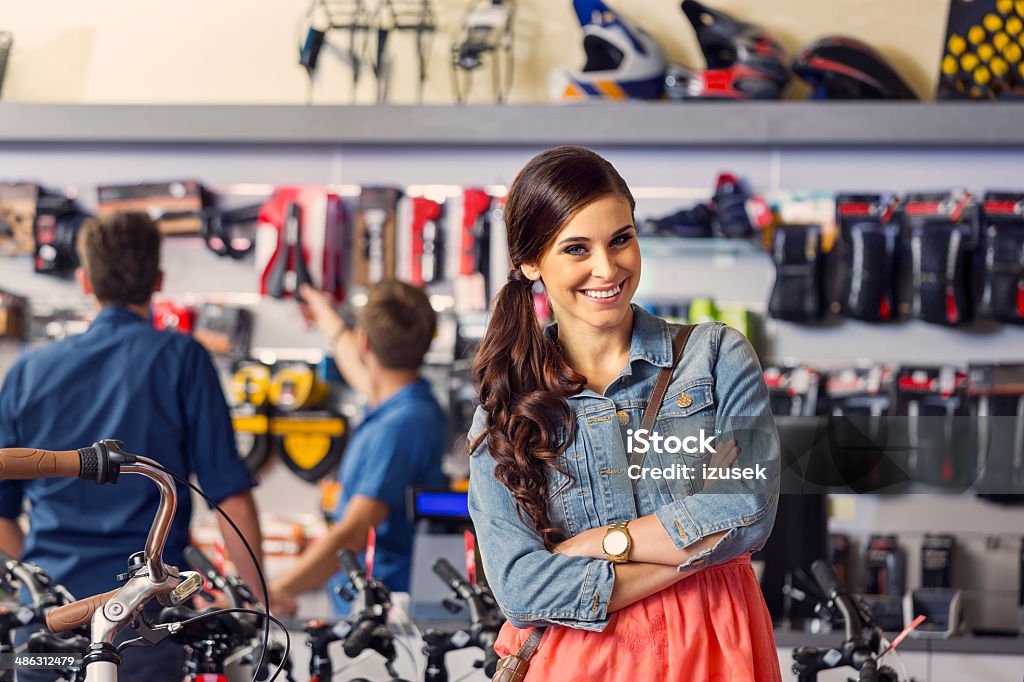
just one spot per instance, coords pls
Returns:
(863, 646)
(147, 577)
(214, 644)
(43, 595)
(485, 621)
(365, 629)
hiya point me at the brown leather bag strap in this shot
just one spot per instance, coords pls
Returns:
(661, 387)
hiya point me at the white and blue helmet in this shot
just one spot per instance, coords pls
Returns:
(623, 61)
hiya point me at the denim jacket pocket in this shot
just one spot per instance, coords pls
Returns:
(686, 421)
(686, 429)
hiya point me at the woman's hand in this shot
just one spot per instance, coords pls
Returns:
(587, 544)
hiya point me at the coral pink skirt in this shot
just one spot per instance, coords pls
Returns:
(711, 627)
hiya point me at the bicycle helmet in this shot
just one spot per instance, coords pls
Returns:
(623, 62)
(838, 67)
(743, 62)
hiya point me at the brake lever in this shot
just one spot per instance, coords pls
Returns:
(149, 634)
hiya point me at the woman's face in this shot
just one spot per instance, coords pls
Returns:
(592, 268)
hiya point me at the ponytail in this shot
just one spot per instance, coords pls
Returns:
(524, 382)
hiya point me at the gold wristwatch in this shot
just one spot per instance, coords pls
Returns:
(617, 542)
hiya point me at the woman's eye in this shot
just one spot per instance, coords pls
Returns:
(575, 250)
(621, 239)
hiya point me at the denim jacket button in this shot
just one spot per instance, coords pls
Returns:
(684, 400)
(623, 417)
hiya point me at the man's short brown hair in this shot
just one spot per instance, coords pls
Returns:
(120, 253)
(399, 323)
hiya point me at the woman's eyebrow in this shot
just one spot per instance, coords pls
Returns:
(570, 240)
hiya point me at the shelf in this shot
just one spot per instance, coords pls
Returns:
(636, 124)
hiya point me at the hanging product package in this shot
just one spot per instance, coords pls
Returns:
(932, 404)
(996, 397)
(427, 262)
(869, 247)
(860, 403)
(798, 294)
(300, 239)
(177, 206)
(942, 228)
(18, 204)
(794, 393)
(58, 221)
(374, 239)
(482, 215)
(1002, 296)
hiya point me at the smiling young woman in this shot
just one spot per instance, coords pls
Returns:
(634, 580)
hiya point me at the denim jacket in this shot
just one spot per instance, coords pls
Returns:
(717, 387)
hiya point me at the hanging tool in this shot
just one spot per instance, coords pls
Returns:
(289, 271)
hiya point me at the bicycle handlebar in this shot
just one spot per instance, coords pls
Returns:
(77, 614)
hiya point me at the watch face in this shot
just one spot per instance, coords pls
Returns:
(615, 542)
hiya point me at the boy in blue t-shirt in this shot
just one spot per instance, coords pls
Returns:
(398, 444)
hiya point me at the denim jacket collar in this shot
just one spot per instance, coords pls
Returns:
(651, 341)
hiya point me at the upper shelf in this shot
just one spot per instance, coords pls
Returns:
(635, 124)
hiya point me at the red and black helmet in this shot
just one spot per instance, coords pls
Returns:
(838, 67)
(743, 61)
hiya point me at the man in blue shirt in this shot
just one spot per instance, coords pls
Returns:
(156, 391)
(398, 444)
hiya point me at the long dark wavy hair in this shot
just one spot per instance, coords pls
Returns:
(523, 378)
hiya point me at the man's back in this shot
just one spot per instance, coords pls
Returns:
(156, 391)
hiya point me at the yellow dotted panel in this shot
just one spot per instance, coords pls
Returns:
(1013, 53)
(986, 52)
(982, 76)
(969, 61)
(950, 65)
(999, 66)
(1004, 7)
(976, 35)
(956, 45)
(1000, 41)
(992, 22)
(1014, 25)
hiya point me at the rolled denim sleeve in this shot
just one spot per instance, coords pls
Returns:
(746, 508)
(532, 585)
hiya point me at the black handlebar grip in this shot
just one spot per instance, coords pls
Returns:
(446, 572)
(359, 638)
(826, 577)
(200, 562)
(487, 640)
(20, 464)
(348, 562)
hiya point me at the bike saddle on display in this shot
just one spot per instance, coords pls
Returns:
(743, 61)
(838, 67)
(623, 62)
